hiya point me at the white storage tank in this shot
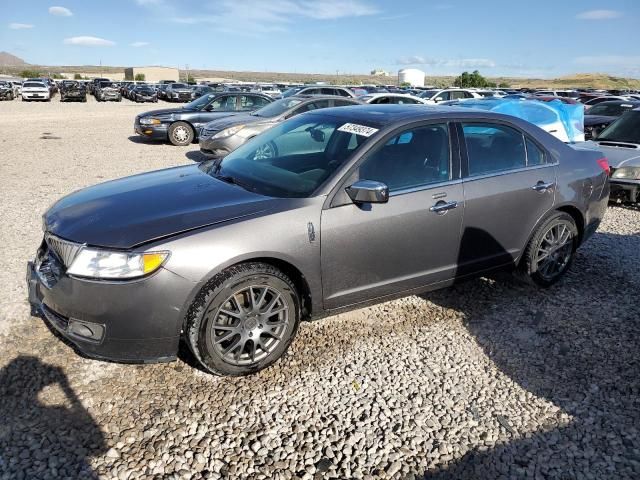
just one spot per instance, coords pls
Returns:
(412, 76)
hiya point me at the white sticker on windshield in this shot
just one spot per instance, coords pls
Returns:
(358, 129)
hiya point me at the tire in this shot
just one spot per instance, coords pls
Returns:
(206, 322)
(548, 270)
(181, 134)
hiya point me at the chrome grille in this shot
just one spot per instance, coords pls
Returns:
(64, 249)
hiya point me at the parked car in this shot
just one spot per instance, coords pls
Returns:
(620, 142)
(17, 88)
(144, 93)
(544, 98)
(324, 90)
(439, 95)
(162, 91)
(32, 90)
(360, 205)
(181, 126)
(72, 90)
(94, 84)
(201, 90)
(390, 98)
(598, 117)
(558, 93)
(220, 137)
(595, 101)
(178, 92)
(6, 91)
(106, 91)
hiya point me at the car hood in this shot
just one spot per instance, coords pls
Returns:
(618, 154)
(134, 210)
(598, 119)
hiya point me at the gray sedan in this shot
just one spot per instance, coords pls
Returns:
(360, 205)
(219, 137)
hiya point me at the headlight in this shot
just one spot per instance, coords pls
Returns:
(149, 121)
(227, 132)
(631, 173)
(108, 265)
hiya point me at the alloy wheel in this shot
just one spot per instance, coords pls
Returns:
(554, 251)
(250, 324)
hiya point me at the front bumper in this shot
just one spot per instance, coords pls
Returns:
(153, 132)
(217, 148)
(36, 96)
(625, 191)
(134, 321)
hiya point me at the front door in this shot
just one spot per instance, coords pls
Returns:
(374, 250)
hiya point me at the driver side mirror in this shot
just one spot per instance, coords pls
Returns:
(438, 99)
(368, 191)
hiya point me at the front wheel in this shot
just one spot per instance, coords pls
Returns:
(550, 251)
(243, 320)
(181, 134)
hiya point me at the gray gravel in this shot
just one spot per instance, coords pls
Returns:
(490, 379)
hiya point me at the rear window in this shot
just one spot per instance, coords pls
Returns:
(34, 85)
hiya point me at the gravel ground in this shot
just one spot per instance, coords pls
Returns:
(489, 379)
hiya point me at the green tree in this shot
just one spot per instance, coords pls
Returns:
(472, 80)
(504, 85)
(139, 77)
(58, 76)
(30, 74)
(77, 76)
(405, 85)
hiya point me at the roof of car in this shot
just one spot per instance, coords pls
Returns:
(404, 113)
(635, 103)
(319, 97)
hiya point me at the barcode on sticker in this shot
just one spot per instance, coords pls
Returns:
(358, 129)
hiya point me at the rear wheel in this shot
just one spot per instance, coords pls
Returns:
(181, 134)
(243, 320)
(550, 251)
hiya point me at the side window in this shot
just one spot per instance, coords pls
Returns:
(467, 95)
(251, 102)
(341, 103)
(343, 93)
(442, 96)
(413, 158)
(535, 156)
(458, 95)
(493, 148)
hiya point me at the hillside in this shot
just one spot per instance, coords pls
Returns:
(584, 80)
(6, 59)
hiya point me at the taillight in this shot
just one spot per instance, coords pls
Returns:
(604, 164)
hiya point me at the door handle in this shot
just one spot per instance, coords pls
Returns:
(442, 207)
(543, 187)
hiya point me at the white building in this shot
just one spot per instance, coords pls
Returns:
(412, 76)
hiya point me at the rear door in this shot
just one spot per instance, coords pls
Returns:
(509, 184)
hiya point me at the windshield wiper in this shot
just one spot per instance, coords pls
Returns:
(233, 181)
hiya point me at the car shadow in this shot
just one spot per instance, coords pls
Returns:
(196, 156)
(567, 345)
(54, 438)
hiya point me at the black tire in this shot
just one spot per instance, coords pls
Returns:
(216, 294)
(181, 134)
(84, 99)
(534, 269)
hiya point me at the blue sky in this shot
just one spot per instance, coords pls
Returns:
(498, 37)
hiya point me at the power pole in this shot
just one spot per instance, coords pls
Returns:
(186, 67)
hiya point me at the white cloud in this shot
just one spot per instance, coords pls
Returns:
(255, 17)
(20, 26)
(139, 44)
(450, 63)
(598, 15)
(60, 11)
(86, 41)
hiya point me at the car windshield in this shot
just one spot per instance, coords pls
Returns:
(625, 129)
(429, 93)
(178, 85)
(200, 102)
(609, 109)
(291, 92)
(277, 108)
(106, 84)
(34, 85)
(293, 158)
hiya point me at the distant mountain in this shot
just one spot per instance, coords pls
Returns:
(6, 60)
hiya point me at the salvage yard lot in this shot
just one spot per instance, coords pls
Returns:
(488, 378)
